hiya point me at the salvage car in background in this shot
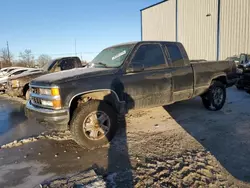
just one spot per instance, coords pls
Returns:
(244, 73)
(5, 70)
(19, 85)
(8, 74)
(134, 75)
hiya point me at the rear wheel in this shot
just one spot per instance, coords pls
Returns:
(93, 124)
(215, 97)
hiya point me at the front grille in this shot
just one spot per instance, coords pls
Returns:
(35, 90)
(39, 99)
(36, 101)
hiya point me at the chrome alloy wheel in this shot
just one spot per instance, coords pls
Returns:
(217, 95)
(96, 125)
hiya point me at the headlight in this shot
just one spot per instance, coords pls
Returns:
(15, 83)
(54, 103)
(52, 91)
(47, 97)
(47, 103)
(45, 91)
(52, 98)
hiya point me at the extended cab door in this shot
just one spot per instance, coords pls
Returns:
(148, 79)
(182, 72)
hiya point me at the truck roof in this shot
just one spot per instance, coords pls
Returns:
(141, 42)
(59, 58)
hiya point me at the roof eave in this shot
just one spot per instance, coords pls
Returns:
(153, 5)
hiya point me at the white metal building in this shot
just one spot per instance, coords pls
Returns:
(209, 29)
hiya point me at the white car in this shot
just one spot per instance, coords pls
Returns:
(14, 72)
(5, 70)
(27, 72)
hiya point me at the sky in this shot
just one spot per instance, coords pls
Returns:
(52, 26)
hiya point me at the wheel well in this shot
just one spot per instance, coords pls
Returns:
(25, 89)
(108, 96)
(221, 79)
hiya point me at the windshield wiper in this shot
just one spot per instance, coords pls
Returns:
(103, 64)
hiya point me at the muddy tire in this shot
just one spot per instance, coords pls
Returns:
(214, 99)
(93, 124)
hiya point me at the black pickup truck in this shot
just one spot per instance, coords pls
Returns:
(19, 85)
(244, 72)
(88, 101)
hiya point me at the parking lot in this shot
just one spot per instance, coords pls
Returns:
(181, 145)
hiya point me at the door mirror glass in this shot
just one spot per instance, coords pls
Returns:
(135, 67)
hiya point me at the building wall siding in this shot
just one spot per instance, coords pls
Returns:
(196, 30)
(234, 28)
(158, 22)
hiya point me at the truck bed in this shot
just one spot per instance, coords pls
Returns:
(211, 69)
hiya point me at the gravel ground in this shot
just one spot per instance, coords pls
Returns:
(181, 145)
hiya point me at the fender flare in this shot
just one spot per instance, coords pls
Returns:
(93, 91)
(217, 76)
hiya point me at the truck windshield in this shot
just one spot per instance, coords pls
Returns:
(112, 57)
(48, 66)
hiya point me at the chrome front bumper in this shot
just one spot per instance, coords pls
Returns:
(57, 119)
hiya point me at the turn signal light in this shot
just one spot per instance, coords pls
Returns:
(55, 91)
(56, 104)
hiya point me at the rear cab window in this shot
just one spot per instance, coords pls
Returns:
(151, 56)
(67, 64)
(175, 55)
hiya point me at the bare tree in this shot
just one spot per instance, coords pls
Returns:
(26, 58)
(5, 58)
(43, 59)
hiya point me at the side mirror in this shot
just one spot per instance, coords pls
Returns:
(135, 67)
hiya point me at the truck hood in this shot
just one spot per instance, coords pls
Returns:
(72, 74)
(21, 76)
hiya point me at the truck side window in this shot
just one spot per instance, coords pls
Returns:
(175, 54)
(67, 64)
(151, 56)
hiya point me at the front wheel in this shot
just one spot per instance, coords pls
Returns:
(215, 97)
(93, 124)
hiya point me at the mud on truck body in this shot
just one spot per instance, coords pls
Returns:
(88, 101)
